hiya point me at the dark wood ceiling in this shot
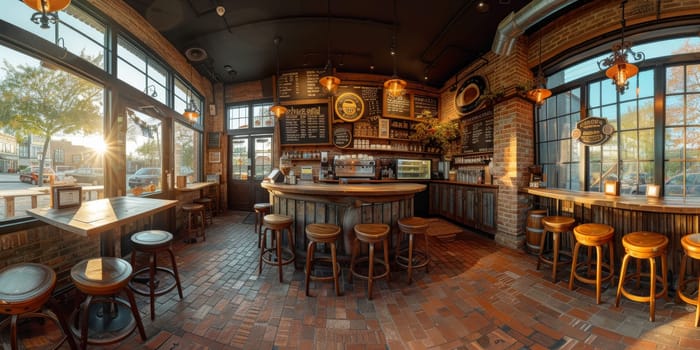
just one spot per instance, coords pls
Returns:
(434, 38)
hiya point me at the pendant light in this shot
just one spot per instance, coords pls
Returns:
(191, 112)
(618, 68)
(328, 81)
(46, 11)
(395, 86)
(277, 109)
(540, 92)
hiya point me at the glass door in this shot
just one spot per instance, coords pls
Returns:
(251, 161)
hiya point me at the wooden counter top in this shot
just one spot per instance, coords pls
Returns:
(353, 190)
(196, 186)
(637, 203)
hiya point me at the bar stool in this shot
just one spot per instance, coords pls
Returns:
(195, 222)
(261, 209)
(644, 245)
(370, 234)
(275, 255)
(555, 225)
(208, 205)
(595, 236)
(153, 242)
(25, 289)
(101, 280)
(691, 247)
(322, 233)
(412, 226)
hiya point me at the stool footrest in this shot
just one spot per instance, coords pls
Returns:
(377, 262)
(140, 285)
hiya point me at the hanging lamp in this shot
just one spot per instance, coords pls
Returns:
(328, 81)
(616, 65)
(191, 112)
(46, 11)
(277, 109)
(540, 92)
(395, 86)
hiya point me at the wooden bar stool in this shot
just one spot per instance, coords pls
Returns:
(644, 245)
(370, 234)
(405, 257)
(555, 225)
(322, 233)
(101, 280)
(691, 247)
(195, 222)
(275, 255)
(154, 242)
(261, 209)
(208, 205)
(593, 236)
(25, 289)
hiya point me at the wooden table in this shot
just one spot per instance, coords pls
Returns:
(201, 187)
(102, 216)
(10, 196)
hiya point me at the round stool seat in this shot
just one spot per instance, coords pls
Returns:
(371, 233)
(151, 240)
(262, 206)
(276, 221)
(322, 233)
(592, 234)
(558, 223)
(203, 200)
(192, 207)
(101, 276)
(691, 248)
(644, 244)
(25, 287)
(410, 258)
(413, 224)
(277, 255)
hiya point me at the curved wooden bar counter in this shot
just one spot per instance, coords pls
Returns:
(342, 204)
(671, 216)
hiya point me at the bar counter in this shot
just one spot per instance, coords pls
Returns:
(342, 204)
(673, 217)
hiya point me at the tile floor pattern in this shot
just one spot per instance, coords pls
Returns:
(477, 295)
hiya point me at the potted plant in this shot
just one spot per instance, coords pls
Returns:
(436, 134)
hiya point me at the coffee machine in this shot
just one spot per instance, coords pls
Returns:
(325, 171)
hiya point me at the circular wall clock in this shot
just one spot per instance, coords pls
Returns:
(349, 107)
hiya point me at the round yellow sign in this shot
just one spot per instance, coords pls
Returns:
(349, 106)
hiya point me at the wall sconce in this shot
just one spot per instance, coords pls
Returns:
(46, 11)
(151, 91)
(618, 68)
(653, 191)
(612, 188)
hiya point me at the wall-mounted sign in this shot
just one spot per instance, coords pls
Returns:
(349, 107)
(342, 135)
(592, 131)
(468, 96)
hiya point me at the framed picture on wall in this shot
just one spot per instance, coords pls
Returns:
(214, 157)
(213, 140)
(384, 128)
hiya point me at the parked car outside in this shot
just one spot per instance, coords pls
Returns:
(674, 186)
(93, 176)
(31, 175)
(145, 176)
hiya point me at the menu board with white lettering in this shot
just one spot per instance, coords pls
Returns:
(478, 136)
(305, 124)
(370, 95)
(301, 84)
(425, 106)
(399, 107)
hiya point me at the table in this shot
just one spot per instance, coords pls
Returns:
(201, 187)
(10, 196)
(102, 216)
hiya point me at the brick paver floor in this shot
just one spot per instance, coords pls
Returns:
(477, 295)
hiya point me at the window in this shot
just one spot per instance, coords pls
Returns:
(187, 154)
(139, 70)
(183, 95)
(558, 155)
(144, 149)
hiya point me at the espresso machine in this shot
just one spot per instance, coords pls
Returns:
(362, 167)
(325, 171)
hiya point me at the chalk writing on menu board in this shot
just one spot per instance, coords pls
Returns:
(305, 124)
(478, 136)
(425, 106)
(342, 135)
(300, 85)
(397, 106)
(371, 96)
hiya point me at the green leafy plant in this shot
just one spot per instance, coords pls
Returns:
(432, 132)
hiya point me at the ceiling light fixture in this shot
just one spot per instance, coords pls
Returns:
(191, 112)
(328, 80)
(618, 68)
(482, 7)
(395, 86)
(47, 11)
(540, 92)
(277, 109)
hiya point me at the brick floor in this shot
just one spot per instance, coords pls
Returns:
(477, 295)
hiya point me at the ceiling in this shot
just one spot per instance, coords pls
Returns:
(433, 38)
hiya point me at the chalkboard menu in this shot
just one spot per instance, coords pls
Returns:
(300, 85)
(342, 135)
(370, 95)
(397, 106)
(424, 106)
(305, 124)
(478, 136)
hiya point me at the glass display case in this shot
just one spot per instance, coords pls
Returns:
(413, 169)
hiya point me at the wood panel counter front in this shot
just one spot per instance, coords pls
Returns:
(342, 204)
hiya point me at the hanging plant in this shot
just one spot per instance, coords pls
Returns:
(431, 132)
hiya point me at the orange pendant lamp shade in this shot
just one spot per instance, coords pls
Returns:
(47, 5)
